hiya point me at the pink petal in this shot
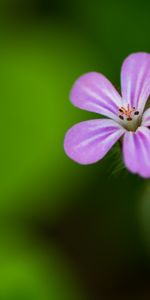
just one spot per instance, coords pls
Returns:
(146, 118)
(89, 141)
(94, 92)
(136, 151)
(135, 80)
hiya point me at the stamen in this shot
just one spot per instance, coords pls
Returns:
(129, 116)
(127, 112)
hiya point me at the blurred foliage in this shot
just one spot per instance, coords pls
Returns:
(144, 213)
(31, 272)
(35, 82)
(95, 217)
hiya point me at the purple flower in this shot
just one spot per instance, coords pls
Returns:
(89, 141)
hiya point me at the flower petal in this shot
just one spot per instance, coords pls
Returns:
(94, 92)
(146, 118)
(89, 141)
(135, 80)
(136, 151)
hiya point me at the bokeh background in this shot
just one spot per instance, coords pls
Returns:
(67, 232)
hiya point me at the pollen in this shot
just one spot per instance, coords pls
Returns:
(127, 112)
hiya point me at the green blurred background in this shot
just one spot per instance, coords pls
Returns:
(67, 232)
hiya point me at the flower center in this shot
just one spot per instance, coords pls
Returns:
(129, 116)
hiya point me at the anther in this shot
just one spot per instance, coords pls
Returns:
(120, 110)
(121, 117)
(136, 113)
(129, 119)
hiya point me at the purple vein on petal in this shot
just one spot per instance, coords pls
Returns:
(94, 92)
(101, 131)
(144, 146)
(139, 82)
(89, 141)
(99, 138)
(135, 79)
(104, 103)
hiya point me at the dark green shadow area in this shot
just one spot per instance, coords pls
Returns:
(66, 231)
